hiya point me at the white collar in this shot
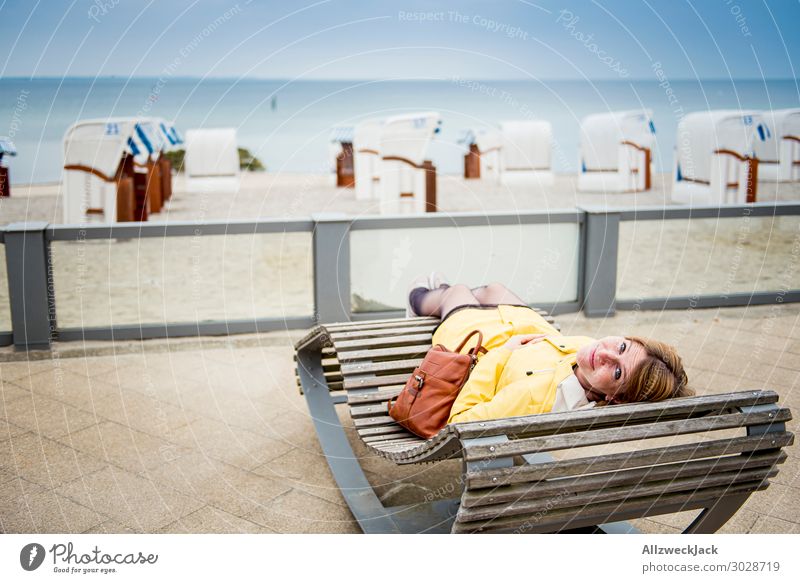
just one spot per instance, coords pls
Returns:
(570, 396)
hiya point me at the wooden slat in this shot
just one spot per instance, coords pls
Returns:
(377, 439)
(395, 352)
(332, 385)
(330, 375)
(621, 494)
(403, 340)
(551, 423)
(556, 519)
(382, 381)
(380, 333)
(368, 410)
(637, 477)
(379, 324)
(404, 441)
(685, 452)
(373, 421)
(359, 397)
(381, 430)
(403, 447)
(384, 367)
(621, 434)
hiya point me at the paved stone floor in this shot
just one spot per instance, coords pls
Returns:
(210, 435)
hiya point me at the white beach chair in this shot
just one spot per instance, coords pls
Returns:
(526, 152)
(779, 152)
(715, 161)
(616, 151)
(367, 158)
(99, 182)
(211, 162)
(405, 175)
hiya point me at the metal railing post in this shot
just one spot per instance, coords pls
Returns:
(601, 244)
(29, 285)
(331, 241)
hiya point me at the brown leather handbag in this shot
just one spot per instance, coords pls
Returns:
(423, 406)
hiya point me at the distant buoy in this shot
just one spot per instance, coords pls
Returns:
(274, 102)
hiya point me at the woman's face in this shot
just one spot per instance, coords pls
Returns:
(605, 364)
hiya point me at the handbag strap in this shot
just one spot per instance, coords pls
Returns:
(478, 347)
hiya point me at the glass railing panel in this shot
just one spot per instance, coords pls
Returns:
(182, 279)
(539, 262)
(709, 256)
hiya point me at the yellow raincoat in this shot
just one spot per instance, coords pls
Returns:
(508, 383)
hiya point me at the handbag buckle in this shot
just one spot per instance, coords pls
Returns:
(420, 381)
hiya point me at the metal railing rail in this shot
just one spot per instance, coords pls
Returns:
(34, 310)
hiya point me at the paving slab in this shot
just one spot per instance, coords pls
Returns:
(47, 417)
(301, 512)
(144, 413)
(772, 525)
(44, 461)
(303, 470)
(214, 521)
(49, 512)
(129, 499)
(68, 387)
(9, 430)
(10, 392)
(223, 486)
(232, 445)
(123, 446)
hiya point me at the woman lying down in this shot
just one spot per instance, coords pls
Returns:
(531, 367)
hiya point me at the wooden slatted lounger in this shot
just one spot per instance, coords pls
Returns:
(511, 483)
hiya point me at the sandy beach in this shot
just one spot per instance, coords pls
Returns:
(191, 279)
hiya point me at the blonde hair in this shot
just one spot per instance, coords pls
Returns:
(659, 376)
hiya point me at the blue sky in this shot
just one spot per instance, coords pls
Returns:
(345, 39)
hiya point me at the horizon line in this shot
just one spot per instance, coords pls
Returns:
(362, 79)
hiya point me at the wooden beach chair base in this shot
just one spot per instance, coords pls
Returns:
(510, 482)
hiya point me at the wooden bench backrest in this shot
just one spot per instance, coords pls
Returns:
(664, 457)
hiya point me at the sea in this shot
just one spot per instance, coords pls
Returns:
(288, 124)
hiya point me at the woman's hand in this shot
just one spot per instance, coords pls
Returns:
(521, 340)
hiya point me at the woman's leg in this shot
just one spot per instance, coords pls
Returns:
(497, 293)
(440, 302)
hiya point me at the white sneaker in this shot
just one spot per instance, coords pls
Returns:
(436, 279)
(420, 281)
